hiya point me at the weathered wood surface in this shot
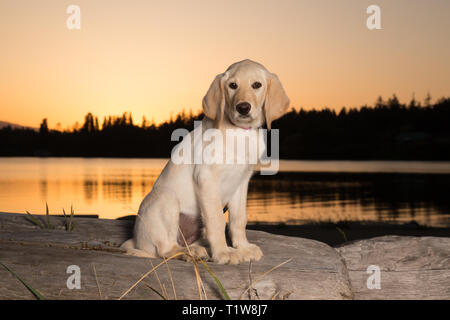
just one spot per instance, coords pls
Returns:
(41, 258)
(410, 267)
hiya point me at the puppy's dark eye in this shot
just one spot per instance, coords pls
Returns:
(233, 85)
(256, 85)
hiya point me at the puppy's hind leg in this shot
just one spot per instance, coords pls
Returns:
(157, 223)
(157, 229)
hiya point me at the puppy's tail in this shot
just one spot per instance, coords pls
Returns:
(131, 250)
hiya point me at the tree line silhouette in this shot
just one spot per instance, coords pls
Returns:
(389, 130)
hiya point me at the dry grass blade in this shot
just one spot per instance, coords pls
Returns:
(163, 289)
(96, 280)
(263, 275)
(252, 290)
(275, 295)
(171, 280)
(147, 273)
(200, 286)
(197, 276)
(154, 290)
(203, 287)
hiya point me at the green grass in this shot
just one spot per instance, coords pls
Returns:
(219, 284)
(47, 216)
(68, 219)
(69, 224)
(35, 220)
(342, 233)
(36, 293)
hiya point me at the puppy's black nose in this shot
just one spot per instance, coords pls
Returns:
(243, 108)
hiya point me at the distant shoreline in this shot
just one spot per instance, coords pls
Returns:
(299, 166)
(105, 156)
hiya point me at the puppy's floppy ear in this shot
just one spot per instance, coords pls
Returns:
(214, 100)
(277, 102)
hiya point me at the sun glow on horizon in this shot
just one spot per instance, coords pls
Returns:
(155, 59)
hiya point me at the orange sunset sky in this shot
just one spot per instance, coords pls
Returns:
(155, 58)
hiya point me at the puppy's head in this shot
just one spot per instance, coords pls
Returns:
(247, 94)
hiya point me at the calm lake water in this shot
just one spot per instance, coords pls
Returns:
(302, 191)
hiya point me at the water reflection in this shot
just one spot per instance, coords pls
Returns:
(113, 188)
(90, 190)
(351, 196)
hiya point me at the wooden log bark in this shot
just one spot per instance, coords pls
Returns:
(410, 267)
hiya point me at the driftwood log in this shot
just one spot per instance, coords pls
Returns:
(409, 267)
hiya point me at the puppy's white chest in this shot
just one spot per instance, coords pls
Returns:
(231, 179)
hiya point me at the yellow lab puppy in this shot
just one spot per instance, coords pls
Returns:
(189, 198)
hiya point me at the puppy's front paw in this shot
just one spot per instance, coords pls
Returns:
(250, 252)
(227, 256)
